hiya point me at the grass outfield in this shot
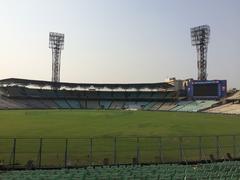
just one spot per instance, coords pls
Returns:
(104, 125)
(100, 123)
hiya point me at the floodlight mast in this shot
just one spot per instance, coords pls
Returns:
(56, 43)
(200, 38)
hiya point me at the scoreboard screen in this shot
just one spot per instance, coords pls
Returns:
(210, 89)
(205, 89)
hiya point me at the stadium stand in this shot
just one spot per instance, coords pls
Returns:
(194, 106)
(118, 95)
(145, 95)
(156, 106)
(229, 108)
(6, 103)
(234, 97)
(220, 170)
(135, 105)
(74, 104)
(50, 104)
(142, 104)
(19, 96)
(62, 104)
(180, 105)
(167, 106)
(33, 103)
(149, 106)
(105, 104)
(117, 105)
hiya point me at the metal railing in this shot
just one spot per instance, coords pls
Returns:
(77, 152)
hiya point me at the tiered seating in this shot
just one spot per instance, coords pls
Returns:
(158, 95)
(32, 103)
(149, 106)
(62, 104)
(133, 95)
(10, 104)
(117, 105)
(48, 94)
(145, 95)
(223, 170)
(156, 106)
(199, 105)
(49, 103)
(118, 95)
(74, 104)
(229, 108)
(235, 96)
(132, 105)
(34, 93)
(15, 91)
(180, 105)
(170, 94)
(142, 104)
(105, 95)
(105, 104)
(66, 99)
(167, 106)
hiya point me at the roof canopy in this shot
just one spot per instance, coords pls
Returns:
(39, 83)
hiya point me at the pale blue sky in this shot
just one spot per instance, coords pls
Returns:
(119, 40)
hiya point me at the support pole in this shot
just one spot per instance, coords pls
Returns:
(66, 153)
(14, 152)
(91, 151)
(115, 150)
(200, 147)
(40, 154)
(160, 150)
(234, 146)
(138, 151)
(217, 147)
(180, 150)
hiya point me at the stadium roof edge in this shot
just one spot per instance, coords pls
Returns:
(41, 83)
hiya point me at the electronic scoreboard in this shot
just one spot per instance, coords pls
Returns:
(210, 89)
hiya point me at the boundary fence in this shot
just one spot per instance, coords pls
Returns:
(78, 152)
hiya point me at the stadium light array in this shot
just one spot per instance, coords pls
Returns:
(56, 43)
(200, 38)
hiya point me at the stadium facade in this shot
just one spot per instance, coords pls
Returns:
(165, 96)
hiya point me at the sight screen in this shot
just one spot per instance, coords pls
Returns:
(205, 89)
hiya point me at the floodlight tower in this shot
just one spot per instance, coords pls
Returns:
(56, 43)
(200, 39)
